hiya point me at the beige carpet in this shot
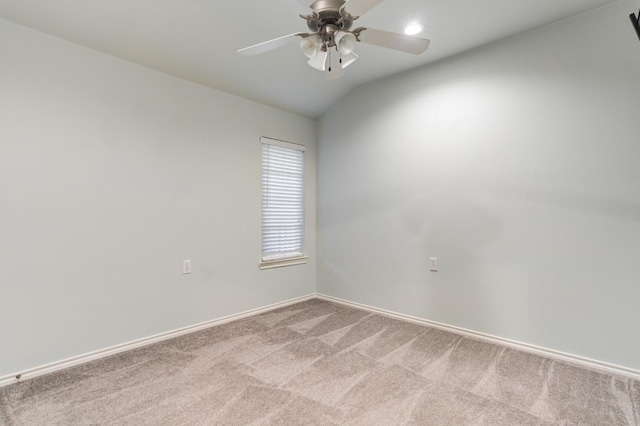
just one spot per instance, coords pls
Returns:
(319, 363)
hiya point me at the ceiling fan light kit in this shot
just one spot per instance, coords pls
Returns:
(331, 43)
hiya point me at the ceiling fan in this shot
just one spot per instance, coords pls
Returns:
(330, 44)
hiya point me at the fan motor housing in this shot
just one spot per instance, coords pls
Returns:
(327, 5)
(328, 12)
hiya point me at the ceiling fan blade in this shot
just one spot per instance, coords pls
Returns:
(268, 45)
(395, 41)
(360, 7)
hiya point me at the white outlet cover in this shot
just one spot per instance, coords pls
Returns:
(433, 264)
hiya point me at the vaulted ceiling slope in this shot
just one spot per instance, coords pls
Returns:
(197, 40)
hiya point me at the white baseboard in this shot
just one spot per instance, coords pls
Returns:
(586, 362)
(81, 359)
(101, 353)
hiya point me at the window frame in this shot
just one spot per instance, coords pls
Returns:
(279, 259)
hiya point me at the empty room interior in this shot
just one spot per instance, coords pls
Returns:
(458, 241)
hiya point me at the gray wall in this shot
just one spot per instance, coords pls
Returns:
(110, 175)
(518, 166)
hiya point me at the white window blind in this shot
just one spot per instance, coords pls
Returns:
(282, 203)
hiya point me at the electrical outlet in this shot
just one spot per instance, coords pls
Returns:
(433, 264)
(186, 267)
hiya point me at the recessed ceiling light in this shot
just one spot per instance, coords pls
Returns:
(413, 29)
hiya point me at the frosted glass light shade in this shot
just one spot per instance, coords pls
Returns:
(334, 67)
(319, 60)
(348, 59)
(311, 45)
(346, 42)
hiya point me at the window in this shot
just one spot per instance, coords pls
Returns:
(282, 204)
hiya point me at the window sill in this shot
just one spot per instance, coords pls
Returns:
(287, 261)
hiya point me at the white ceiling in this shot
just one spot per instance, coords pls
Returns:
(197, 39)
